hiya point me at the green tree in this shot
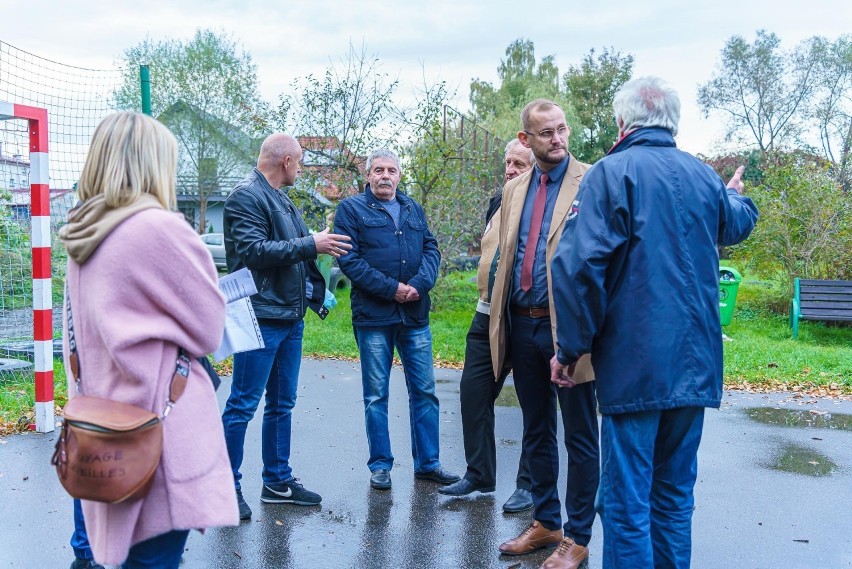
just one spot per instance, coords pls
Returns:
(761, 89)
(452, 167)
(205, 90)
(805, 227)
(591, 87)
(522, 79)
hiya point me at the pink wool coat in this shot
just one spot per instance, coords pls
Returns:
(149, 287)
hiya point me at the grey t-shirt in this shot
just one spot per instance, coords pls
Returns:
(392, 207)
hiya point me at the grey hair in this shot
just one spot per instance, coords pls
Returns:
(512, 144)
(385, 153)
(647, 101)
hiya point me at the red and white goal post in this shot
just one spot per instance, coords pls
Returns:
(40, 242)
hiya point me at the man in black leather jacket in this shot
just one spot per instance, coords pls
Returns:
(266, 233)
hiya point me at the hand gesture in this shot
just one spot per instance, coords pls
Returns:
(332, 243)
(560, 374)
(401, 293)
(412, 294)
(736, 182)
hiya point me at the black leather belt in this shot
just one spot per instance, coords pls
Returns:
(531, 312)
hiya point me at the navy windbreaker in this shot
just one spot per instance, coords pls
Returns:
(636, 275)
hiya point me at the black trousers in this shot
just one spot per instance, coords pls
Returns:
(479, 390)
(532, 348)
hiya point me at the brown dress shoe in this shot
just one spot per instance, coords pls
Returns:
(534, 537)
(568, 555)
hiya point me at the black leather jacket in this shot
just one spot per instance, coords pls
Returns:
(265, 232)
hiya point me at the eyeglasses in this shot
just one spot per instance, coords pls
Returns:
(547, 134)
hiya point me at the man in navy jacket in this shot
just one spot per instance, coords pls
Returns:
(393, 265)
(637, 267)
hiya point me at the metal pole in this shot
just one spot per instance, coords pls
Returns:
(145, 84)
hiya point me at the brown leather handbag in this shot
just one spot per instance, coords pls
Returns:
(108, 451)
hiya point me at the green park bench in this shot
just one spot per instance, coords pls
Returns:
(824, 300)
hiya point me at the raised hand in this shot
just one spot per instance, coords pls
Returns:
(736, 182)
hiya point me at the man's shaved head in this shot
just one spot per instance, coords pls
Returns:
(280, 159)
(276, 147)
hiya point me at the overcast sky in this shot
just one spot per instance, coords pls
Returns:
(450, 40)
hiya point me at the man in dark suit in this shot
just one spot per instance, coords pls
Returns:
(479, 386)
(535, 208)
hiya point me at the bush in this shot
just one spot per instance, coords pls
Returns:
(805, 225)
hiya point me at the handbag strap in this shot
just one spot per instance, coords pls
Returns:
(178, 382)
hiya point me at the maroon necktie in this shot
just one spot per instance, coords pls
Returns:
(532, 236)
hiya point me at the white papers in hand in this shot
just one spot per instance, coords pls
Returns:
(241, 330)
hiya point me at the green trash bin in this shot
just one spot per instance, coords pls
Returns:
(324, 265)
(729, 283)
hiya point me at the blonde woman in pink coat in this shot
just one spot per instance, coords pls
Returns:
(141, 286)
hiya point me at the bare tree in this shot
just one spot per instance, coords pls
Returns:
(347, 112)
(762, 89)
(832, 103)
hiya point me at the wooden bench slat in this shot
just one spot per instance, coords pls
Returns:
(803, 283)
(837, 290)
(804, 297)
(826, 318)
(817, 305)
(827, 315)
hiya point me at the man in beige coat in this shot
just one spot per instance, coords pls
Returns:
(523, 328)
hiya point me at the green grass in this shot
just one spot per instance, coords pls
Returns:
(454, 298)
(17, 394)
(761, 353)
(763, 350)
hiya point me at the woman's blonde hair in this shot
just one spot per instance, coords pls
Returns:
(130, 154)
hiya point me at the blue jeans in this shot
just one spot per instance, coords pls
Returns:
(414, 345)
(650, 463)
(275, 369)
(80, 539)
(160, 552)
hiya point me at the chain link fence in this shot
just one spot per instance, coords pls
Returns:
(76, 99)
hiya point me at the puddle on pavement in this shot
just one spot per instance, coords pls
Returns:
(799, 418)
(508, 397)
(800, 459)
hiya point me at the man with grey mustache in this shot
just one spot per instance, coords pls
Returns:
(393, 265)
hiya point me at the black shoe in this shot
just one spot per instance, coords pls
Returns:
(464, 487)
(380, 479)
(86, 564)
(245, 511)
(289, 493)
(519, 501)
(438, 475)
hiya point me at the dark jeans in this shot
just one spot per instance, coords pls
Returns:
(80, 539)
(650, 463)
(531, 345)
(479, 389)
(160, 552)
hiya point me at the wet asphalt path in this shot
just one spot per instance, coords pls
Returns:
(774, 490)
